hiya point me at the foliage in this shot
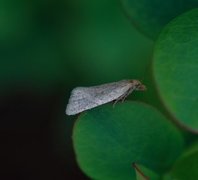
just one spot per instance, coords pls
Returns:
(51, 46)
(108, 140)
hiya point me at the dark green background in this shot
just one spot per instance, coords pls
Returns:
(48, 47)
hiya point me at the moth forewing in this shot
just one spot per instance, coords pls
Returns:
(84, 98)
(77, 101)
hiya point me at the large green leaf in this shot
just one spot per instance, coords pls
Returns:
(108, 140)
(151, 16)
(175, 68)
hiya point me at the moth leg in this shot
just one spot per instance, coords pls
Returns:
(118, 99)
(123, 97)
(126, 94)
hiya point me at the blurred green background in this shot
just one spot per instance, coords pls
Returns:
(48, 47)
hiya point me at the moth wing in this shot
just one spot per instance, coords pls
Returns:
(80, 100)
(111, 91)
(83, 98)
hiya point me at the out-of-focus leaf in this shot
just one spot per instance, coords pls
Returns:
(186, 166)
(175, 68)
(150, 16)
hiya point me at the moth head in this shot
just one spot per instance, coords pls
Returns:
(138, 85)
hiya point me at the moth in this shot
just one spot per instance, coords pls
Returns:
(84, 98)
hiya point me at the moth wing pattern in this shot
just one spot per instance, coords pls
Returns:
(80, 100)
(83, 98)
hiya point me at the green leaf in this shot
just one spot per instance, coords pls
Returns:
(150, 16)
(175, 68)
(139, 174)
(108, 140)
(143, 173)
(186, 167)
